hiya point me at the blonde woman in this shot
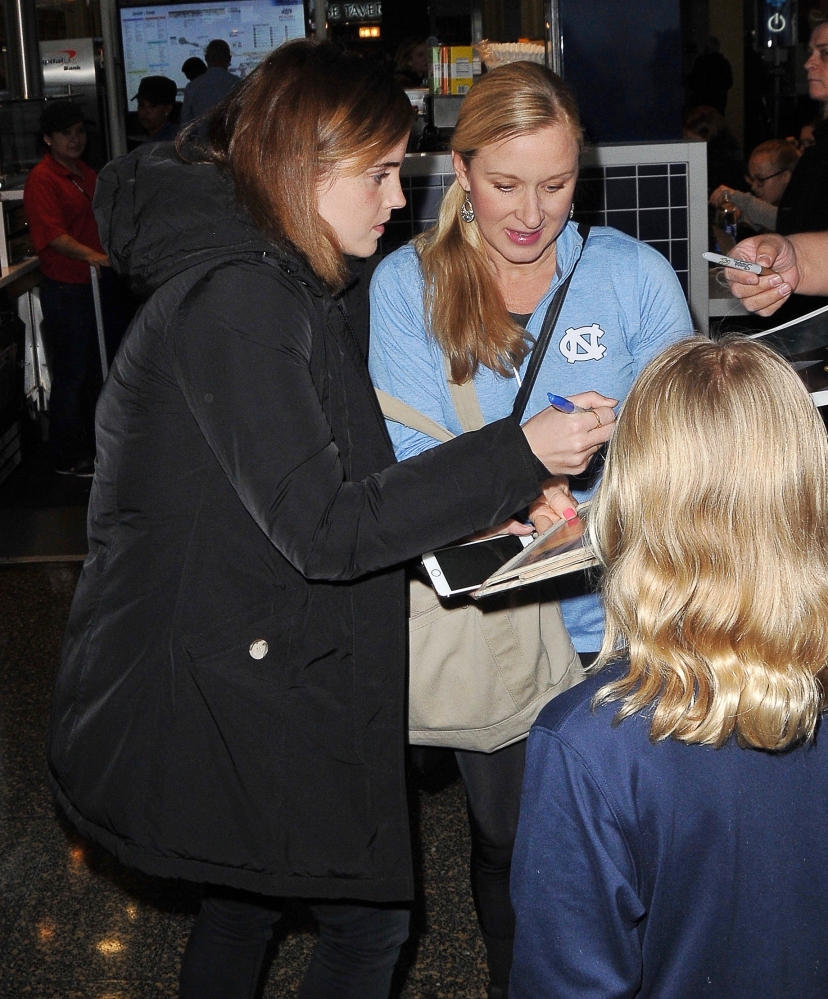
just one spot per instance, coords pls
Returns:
(672, 833)
(475, 289)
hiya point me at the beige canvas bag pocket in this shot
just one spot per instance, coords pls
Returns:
(479, 673)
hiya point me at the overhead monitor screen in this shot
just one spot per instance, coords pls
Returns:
(158, 38)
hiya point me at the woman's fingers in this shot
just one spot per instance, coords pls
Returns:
(593, 400)
(565, 442)
(511, 526)
(557, 496)
(764, 293)
(719, 195)
(542, 516)
(764, 301)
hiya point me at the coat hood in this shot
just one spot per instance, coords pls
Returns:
(158, 216)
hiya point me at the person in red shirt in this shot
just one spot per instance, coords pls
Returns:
(58, 203)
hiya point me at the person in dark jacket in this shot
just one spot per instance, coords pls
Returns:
(804, 205)
(210, 88)
(710, 78)
(672, 832)
(193, 68)
(156, 108)
(230, 706)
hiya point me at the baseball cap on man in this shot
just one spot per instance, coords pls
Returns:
(157, 90)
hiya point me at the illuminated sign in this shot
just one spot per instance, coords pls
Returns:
(777, 23)
(354, 11)
(158, 38)
(70, 60)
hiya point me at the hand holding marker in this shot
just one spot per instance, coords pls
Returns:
(739, 265)
(565, 406)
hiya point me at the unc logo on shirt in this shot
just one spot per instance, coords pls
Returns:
(581, 344)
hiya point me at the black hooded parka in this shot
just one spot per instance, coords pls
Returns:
(230, 705)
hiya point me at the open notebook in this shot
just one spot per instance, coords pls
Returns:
(562, 549)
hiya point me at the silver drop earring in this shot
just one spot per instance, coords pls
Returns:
(467, 210)
(571, 211)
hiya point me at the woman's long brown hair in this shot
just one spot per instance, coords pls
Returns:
(307, 110)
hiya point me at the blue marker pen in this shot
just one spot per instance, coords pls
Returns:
(563, 405)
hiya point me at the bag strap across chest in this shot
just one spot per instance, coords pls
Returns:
(464, 397)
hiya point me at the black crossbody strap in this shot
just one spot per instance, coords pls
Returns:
(545, 335)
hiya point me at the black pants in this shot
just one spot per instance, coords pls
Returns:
(71, 337)
(358, 946)
(493, 783)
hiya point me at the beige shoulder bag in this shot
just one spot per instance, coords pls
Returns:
(479, 673)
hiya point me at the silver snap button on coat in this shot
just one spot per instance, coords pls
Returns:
(258, 649)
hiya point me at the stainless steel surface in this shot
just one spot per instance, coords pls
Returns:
(321, 22)
(96, 297)
(52, 535)
(8, 272)
(67, 63)
(37, 381)
(12, 272)
(554, 41)
(476, 22)
(23, 52)
(446, 109)
(114, 68)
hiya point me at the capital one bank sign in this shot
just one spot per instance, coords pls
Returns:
(69, 61)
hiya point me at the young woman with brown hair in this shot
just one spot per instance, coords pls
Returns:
(229, 708)
(672, 831)
(475, 290)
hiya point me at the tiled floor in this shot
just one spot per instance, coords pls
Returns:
(75, 924)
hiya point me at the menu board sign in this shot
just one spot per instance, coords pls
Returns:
(158, 38)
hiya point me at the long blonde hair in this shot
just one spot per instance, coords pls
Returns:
(712, 523)
(464, 309)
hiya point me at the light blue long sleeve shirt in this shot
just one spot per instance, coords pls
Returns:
(624, 306)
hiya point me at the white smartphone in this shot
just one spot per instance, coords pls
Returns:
(461, 568)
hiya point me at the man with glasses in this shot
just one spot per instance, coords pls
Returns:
(770, 168)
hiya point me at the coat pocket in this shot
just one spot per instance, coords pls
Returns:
(225, 783)
(259, 643)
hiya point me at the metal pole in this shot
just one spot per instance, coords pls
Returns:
(476, 22)
(112, 66)
(32, 332)
(554, 40)
(96, 296)
(23, 49)
(320, 13)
